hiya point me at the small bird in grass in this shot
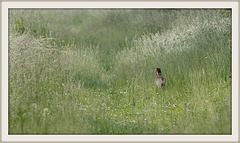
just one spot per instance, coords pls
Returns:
(159, 80)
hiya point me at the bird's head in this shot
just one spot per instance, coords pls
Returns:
(158, 70)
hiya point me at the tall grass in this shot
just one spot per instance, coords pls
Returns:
(92, 71)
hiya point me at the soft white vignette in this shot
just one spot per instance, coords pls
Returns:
(123, 138)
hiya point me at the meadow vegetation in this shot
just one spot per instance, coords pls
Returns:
(91, 71)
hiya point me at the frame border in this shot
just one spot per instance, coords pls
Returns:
(44, 4)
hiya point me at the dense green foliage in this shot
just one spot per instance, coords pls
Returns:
(91, 71)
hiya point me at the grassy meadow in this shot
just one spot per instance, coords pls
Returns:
(92, 71)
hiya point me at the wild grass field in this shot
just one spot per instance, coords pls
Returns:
(92, 71)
